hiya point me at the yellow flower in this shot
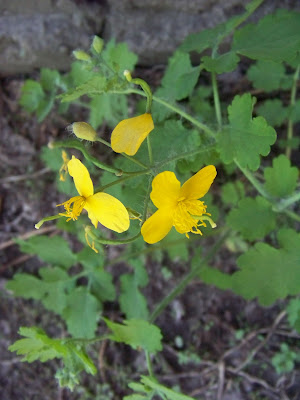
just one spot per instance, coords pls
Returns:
(130, 133)
(101, 207)
(177, 205)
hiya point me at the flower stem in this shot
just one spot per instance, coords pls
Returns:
(112, 241)
(144, 85)
(150, 150)
(216, 99)
(288, 150)
(186, 154)
(289, 201)
(149, 364)
(258, 186)
(51, 218)
(120, 180)
(74, 144)
(186, 280)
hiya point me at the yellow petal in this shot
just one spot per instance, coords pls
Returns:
(157, 226)
(81, 176)
(130, 133)
(108, 210)
(165, 190)
(198, 185)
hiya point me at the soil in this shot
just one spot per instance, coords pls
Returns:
(216, 345)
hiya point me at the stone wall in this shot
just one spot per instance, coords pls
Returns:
(38, 33)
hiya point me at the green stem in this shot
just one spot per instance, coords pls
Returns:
(147, 198)
(216, 100)
(51, 218)
(186, 280)
(185, 115)
(292, 215)
(289, 201)
(88, 341)
(292, 103)
(258, 186)
(149, 364)
(149, 150)
(120, 180)
(123, 154)
(144, 85)
(113, 241)
(74, 144)
(184, 155)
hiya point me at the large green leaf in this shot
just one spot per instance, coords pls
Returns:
(54, 250)
(276, 37)
(245, 138)
(254, 218)
(269, 273)
(136, 333)
(82, 313)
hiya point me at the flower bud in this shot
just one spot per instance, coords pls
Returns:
(97, 44)
(82, 130)
(81, 55)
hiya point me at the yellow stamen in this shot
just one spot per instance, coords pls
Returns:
(73, 211)
(87, 231)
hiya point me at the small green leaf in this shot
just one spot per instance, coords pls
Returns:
(293, 311)
(276, 37)
(132, 301)
(49, 79)
(31, 95)
(268, 273)
(180, 77)
(54, 250)
(119, 57)
(38, 346)
(245, 138)
(108, 107)
(273, 111)
(208, 38)
(163, 390)
(93, 86)
(136, 333)
(281, 179)
(254, 218)
(294, 111)
(226, 62)
(232, 192)
(269, 75)
(82, 313)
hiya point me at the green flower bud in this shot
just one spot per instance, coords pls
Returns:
(82, 130)
(81, 55)
(97, 44)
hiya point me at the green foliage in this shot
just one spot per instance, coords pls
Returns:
(226, 62)
(245, 138)
(38, 346)
(273, 111)
(52, 289)
(132, 301)
(284, 361)
(149, 387)
(180, 77)
(232, 192)
(293, 313)
(81, 302)
(54, 250)
(269, 75)
(253, 218)
(281, 179)
(275, 38)
(269, 273)
(136, 333)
